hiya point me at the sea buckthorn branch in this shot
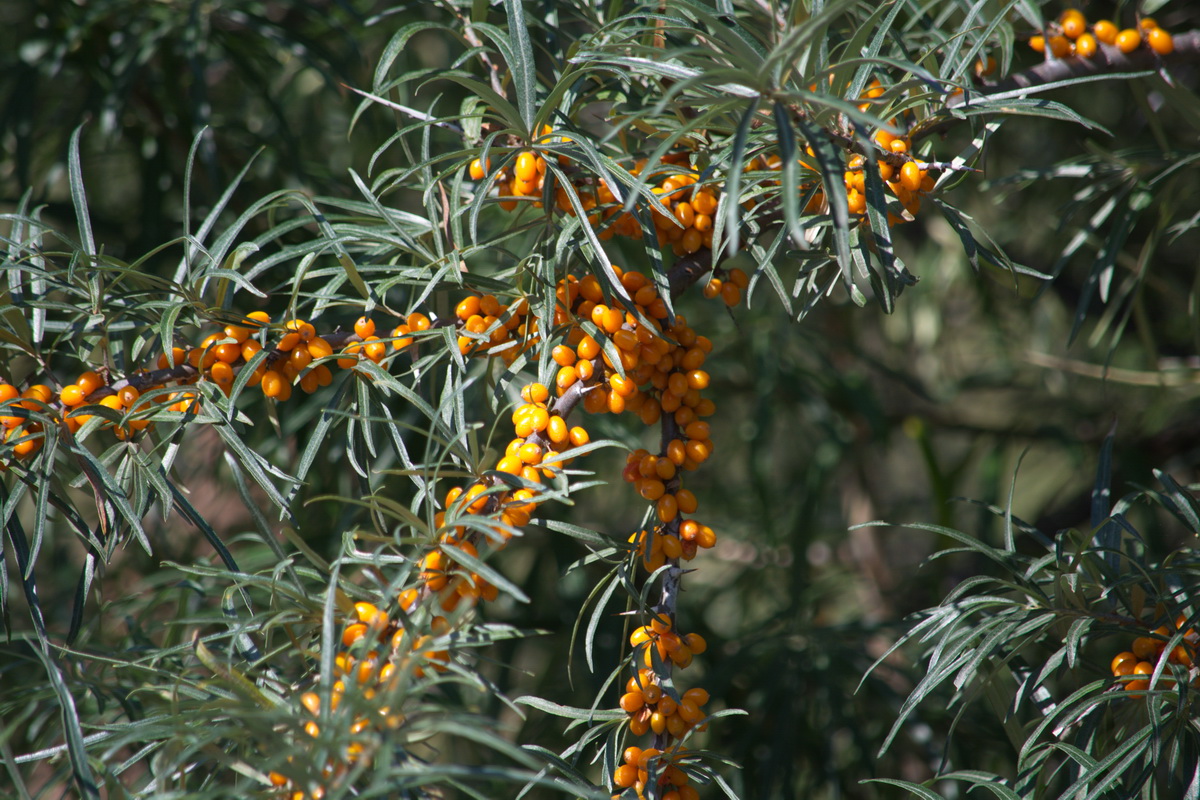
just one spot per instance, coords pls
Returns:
(297, 357)
(1156, 661)
(480, 518)
(1107, 58)
(450, 571)
(1073, 49)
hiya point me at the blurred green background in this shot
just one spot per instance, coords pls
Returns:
(843, 418)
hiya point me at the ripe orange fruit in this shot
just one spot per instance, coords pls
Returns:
(1123, 664)
(1105, 31)
(731, 294)
(1128, 40)
(72, 395)
(1160, 41)
(526, 168)
(1073, 23)
(1146, 648)
(1086, 46)
(1060, 46)
(272, 383)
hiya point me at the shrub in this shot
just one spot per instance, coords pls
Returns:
(396, 412)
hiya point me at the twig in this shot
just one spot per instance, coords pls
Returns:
(1107, 59)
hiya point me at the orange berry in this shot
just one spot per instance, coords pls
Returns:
(613, 318)
(588, 347)
(563, 355)
(910, 176)
(90, 381)
(375, 349)
(1181, 655)
(510, 464)
(317, 348)
(222, 374)
(478, 169)
(1147, 23)
(1073, 23)
(1128, 40)
(632, 701)
(349, 356)
(1105, 31)
(305, 330)
(1123, 664)
(1085, 46)
(526, 168)
(72, 395)
(1145, 647)
(535, 393)
(1038, 43)
(667, 509)
(1160, 41)
(258, 319)
(467, 307)
(128, 395)
(530, 453)
(364, 327)
(625, 776)
(1060, 46)
(557, 430)
(353, 633)
(289, 341)
(731, 294)
(272, 383)
(299, 358)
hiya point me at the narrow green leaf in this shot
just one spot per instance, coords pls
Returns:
(83, 218)
(522, 68)
(81, 770)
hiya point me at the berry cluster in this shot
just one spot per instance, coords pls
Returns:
(363, 669)
(728, 284)
(69, 406)
(297, 357)
(1070, 36)
(609, 360)
(692, 209)
(690, 204)
(615, 351)
(907, 182)
(1147, 651)
(485, 325)
(654, 767)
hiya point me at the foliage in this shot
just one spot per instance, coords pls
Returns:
(854, 155)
